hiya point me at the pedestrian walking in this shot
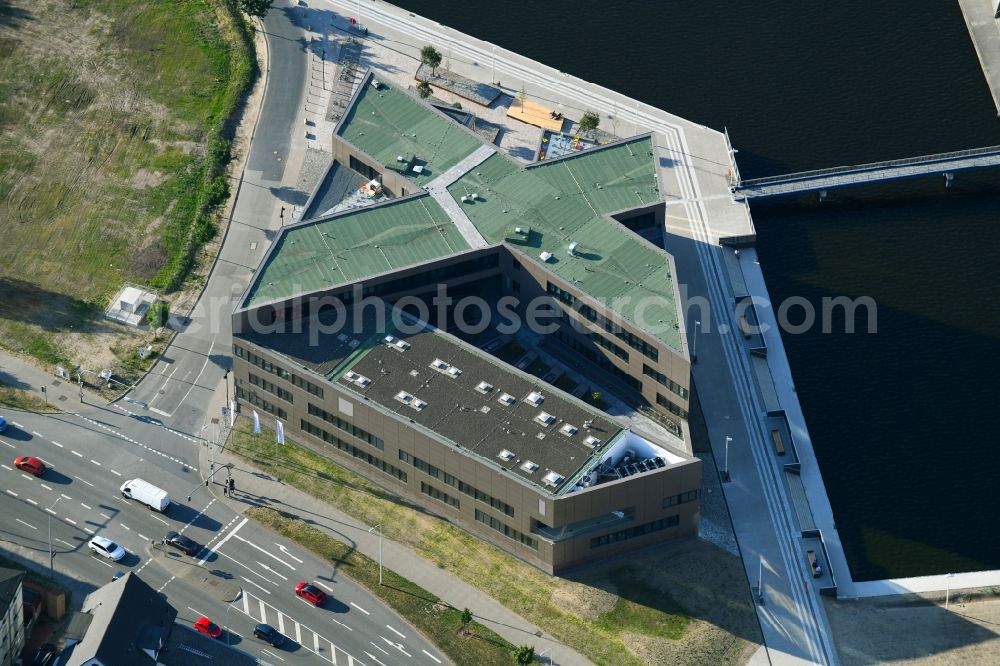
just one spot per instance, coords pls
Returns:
(232, 486)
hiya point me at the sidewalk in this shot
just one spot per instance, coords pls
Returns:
(489, 612)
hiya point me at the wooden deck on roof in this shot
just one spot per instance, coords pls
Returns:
(534, 114)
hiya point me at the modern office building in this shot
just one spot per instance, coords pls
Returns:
(11, 616)
(386, 330)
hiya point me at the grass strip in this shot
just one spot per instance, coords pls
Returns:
(439, 622)
(21, 399)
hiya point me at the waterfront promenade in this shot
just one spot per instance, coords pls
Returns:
(984, 29)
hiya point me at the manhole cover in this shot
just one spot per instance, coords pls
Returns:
(62, 398)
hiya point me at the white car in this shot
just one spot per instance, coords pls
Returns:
(105, 547)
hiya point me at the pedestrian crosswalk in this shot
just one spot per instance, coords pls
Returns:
(260, 611)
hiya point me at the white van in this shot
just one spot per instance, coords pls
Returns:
(155, 498)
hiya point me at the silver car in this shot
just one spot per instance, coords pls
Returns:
(105, 547)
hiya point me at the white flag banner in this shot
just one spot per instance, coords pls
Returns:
(232, 413)
(256, 422)
(279, 431)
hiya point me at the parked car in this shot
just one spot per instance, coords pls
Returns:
(310, 593)
(270, 634)
(207, 627)
(182, 543)
(105, 547)
(31, 465)
(45, 655)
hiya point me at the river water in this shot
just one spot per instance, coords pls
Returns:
(902, 420)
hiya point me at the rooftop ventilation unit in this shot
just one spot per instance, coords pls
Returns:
(362, 381)
(402, 345)
(439, 365)
(568, 429)
(545, 418)
(389, 339)
(535, 398)
(519, 230)
(591, 441)
(506, 399)
(529, 466)
(545, 256)
(484, 387)
(404, 397)
(552, 479)
(418, 404)
(342, 337)
(351, 376)
(505, 455)
(572, 248)
(453, 372)
(400, 158)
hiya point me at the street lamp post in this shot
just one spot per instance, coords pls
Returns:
(725, 472)
(51, 511)
(694, 343)
(760, 581)
(552, 662)
(379, 528)
(947, 594)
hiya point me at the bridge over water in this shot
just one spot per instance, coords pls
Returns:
(822, 180)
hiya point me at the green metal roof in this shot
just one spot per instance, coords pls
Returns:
(566, 200)
(388, 123)
(353, 245)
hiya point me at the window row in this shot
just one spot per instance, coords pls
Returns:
(598, 359)
(347, 427)
(683, 498)
(277, 370)
(271, 387)
(671, 407)
(633, 341)
(637, 531)
(506, 530)
(666, 381)
(463, 487)
(257, 401)
(431, 491)
(360, 454)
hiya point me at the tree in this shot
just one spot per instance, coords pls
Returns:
(424, 89)
(589, 122)
(256, 8)
(466, 620)
(158, 314)
(524, 655)
(430, 57)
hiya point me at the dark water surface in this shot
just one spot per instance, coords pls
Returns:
(902, 420)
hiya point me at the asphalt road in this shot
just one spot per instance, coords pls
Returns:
(243, 575)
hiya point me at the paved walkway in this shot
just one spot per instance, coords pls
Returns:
(984, 29)
(487, 611)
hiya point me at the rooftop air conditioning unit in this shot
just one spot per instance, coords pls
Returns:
(535, 398)
(568, 429)
(529, 466)
(545, 418)
(505, 455)
(439, 365)
(484, 387)
(552, 479)
(545, 256)
(506, 399)
(572, 248)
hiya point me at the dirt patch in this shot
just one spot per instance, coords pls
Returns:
(144, 178)
(917, 629)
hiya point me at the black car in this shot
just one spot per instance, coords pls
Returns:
(181, 542)
(269, 634)
(45, 655)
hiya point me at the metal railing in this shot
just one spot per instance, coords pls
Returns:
(873, 166)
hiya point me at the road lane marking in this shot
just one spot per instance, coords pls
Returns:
(57, 444)
(88, 530)
(263, 611)
(343, 625)
(298, 633)
(264, 566)
(398, 646)
(9, 469)
(226, 538)
(125, 526)
(86, 507)
(9, 444)
(170, 580)
(159, 411)
(45, 486)
(316, 643)
(18, 425)
(250, 543)
(116, 473)
(101, 560)
(259, 587)
(198, 516)
(52, 511)
(161, 520)
(65, 542)
(31, 501)
(268, 652)
(377, 647)
(26, 476)
(11, 492)
(431, 656)
(84, 480)
(24, 523)
(372, 657)
(281, 622)
(95, 462)
(37, 434)
(76, 453)
(284, 550)
(65, 496)
(143, 537)
(253, 571)
(105, 516)
(326, 587)
(360, 608)
(246, 602)
(71, 521)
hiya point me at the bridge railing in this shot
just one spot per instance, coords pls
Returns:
(888, 164)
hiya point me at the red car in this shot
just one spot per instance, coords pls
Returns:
(311, 593)
(207, 627)
(30, 465)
